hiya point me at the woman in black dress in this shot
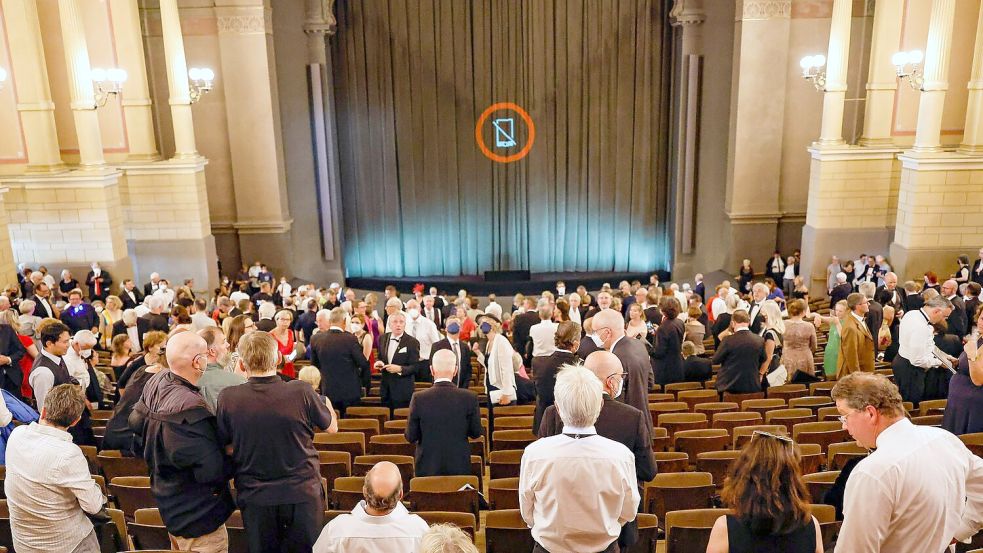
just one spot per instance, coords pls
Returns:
(769, 500)
(964, 410)
(744, 277)
(667, 352)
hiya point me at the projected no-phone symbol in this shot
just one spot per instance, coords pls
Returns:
(504, 132)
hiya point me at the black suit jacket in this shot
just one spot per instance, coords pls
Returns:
(635, 360)
(957, 320)
(463, 378)
(342, 364)
(520, 331)
(913, 302)
(697, 369)
(874, 318)
(128, 302)
(546, 381)
(884, 297)
(975, 276)
(438, 317)
(441, 420)
(587, 347)
(740, 356)
(625, 425)
(107, 281)
(397, 388)
(972, 304)
(667, 358)
(39, 309)
(758, 319)
(840, 292)
(11, 375)
(143, 327)
(157, 321)
(148, 289)
(653, 314)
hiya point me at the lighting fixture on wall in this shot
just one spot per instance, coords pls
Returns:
(109, 82)
(3, 77)
(813, 69)
(907, 64)
(202, 81)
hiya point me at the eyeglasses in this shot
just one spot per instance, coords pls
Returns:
(843, 418)
(622, 375)
(783, 439)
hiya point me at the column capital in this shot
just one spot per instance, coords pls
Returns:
(759, 10)
(320, 18)
(685, 13)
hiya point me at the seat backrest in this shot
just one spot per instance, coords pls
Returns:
(515, 411)
(503, 493)
(671, 461)
(681, 386)
(506, 423)
(793, 413)
(668, 407)
(350, 484)
(365, 426)
(148, 516)
(506, 532)
(822, 512)
(774, 403)
(444, 484)
(743, 433)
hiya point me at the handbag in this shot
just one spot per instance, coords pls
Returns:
(778, 376)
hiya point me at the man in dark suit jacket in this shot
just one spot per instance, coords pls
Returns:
(567, 342)
(152, 286)
(976, 275)
(875, 311)
(143, 327)
(890, 293)
(840, 291)
(603, 302)
(130, 295)
(11, 352)
(43, 307)
(441, 421)
(957, 320)
(453, 343)
(609, 325)
(759, 294)
(399, 355)
(972, 301)
(99, 282)
(740, 356)
(520, 329)
(338, 355)
(617, 421)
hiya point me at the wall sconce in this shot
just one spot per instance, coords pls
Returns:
(202, 81)
(109, 82)
(907, 66)
(3, 77)
(813, 70)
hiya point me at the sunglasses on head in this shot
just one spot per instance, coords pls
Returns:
(778, 437)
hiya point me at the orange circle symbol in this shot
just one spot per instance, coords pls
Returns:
(481, 141)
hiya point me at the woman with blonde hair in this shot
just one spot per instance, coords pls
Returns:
(800, 344)
(769, 500)
(773, 331)
(112, 313)
(237, 327)
(695, 330)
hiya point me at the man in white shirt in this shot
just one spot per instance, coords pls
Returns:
(379, 523)
(831, 271)
(48, 485)
(421, 328)
(200, 319)
(543, 334)
(918, 490)
(79, 351)
(917, 352)
(577, 489)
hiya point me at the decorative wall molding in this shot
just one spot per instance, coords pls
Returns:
(761, 10)
(245, 24)
(687, 12)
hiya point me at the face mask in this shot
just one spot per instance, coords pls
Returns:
(485, 328)
(453, 328)
(413, 313)
(561, 291)
(356, 328)
(597, 340)
(621, 388)
(85, 354)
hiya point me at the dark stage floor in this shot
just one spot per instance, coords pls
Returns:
(478, 286)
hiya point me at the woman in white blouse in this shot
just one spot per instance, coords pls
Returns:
(497, 360)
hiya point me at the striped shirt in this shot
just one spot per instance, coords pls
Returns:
(48, 485)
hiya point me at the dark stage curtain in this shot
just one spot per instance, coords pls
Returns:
(411, 79)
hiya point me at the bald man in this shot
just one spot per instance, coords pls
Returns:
(441, 420)
(609, 333)
(378, 524)
(189, 471)
(617, 421)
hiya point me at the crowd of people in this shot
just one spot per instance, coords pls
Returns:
(233, 386)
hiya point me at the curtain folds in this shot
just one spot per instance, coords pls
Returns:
(419, 198)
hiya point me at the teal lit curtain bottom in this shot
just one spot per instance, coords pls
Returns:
(419, 198)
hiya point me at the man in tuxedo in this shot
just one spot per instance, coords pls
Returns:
(587, 343)
(338, 355)
(957, 320)
(307, 321)
(432, 312)
(972, 301)
(441, 420)
(520, 328)
(567, 342)
(740, 356)
(856, 341)
(617, 421)
(438, 300)
(462, 353)
(759, 294)
(399, 355)
(875, 311)
(699, 288)
(99, 282)
(609, 327)
(133, 326)
(603, 302)
(840, 291)
(976, 275)
(42, 302)
(890, 293)
(152, 286)
(129, 295)
(156, 317)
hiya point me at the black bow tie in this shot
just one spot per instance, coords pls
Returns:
(394, 339)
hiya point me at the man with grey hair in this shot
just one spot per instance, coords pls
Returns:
(379, 523)
(890, 293)
(609, 333)
(266, 312)
(270, 426)
(48, 486)
(425, 332)
(917, 353)
(840, 291)
(958, 319)
(398, 360)
(134, 327)
(156, 316)
(80, 350)
(759, 295)
(576, 472)
(875, 311)
(339, 357)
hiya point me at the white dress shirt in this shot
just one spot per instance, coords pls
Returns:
(543, 336)
(77, 367)
(48, 486)
(425, 332)
(359, 532)
(134, 336)
(917, 491)
(576, 494)
(916, 340)
(42, 379)
(201, 320)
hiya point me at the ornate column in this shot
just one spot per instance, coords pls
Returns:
(882, 81)
(837, 56)
(973, 135)
(320, 24)
(37, 111)
(136, 94)
(928, 132)
(80, 85)
(177, 81)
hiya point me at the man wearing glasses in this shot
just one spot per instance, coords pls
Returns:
(856, 342)
(918, 491)
(617, 421)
